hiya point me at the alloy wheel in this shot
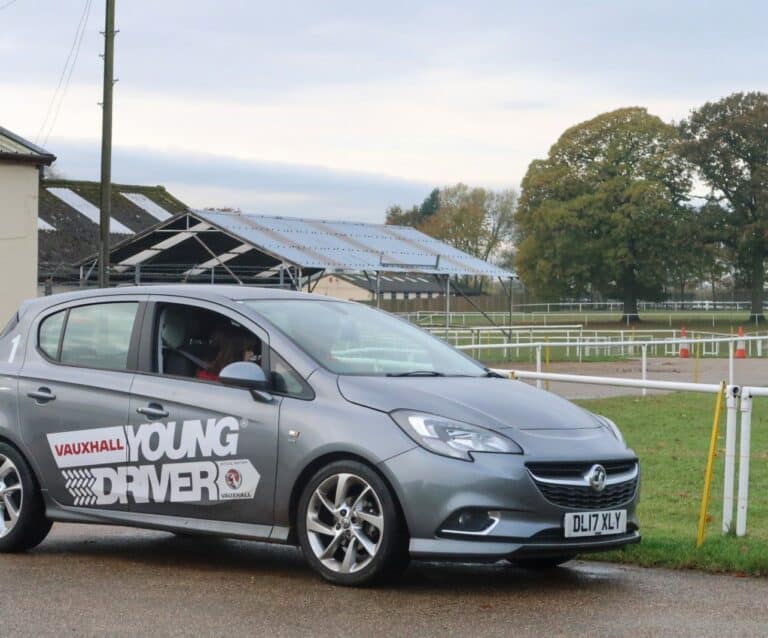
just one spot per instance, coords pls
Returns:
(345, 523)
(11, 495)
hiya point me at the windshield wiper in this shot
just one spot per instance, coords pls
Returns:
(416, 373)
(495, 375)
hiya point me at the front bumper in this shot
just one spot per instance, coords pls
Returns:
(432, 488)
(444, 548)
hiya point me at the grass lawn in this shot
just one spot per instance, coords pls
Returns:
(670, 434)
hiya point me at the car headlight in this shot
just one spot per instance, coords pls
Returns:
(612, 427)
(452, 438)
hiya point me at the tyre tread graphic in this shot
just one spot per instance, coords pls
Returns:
(79, 483)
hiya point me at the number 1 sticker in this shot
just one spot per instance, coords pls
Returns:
(15, 341)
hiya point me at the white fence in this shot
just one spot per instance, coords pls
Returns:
(581, 341)
(544, 314)
(608, 306)
(644, 345)
(733, 394)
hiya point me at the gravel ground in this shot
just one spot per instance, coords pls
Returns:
(746, 372)
(105, 581)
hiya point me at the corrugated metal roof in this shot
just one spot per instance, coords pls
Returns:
(84, 207)
(344, 246)
(76, 235)
(146, 204)
(13, 146)
(405, 283)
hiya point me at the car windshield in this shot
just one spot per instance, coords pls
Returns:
(349, 338)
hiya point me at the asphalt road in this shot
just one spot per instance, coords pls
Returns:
(104, 581)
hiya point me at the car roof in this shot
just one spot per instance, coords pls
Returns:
(211, 292)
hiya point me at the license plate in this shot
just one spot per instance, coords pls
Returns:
(579, 524)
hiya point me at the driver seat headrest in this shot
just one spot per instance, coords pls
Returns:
(174, 328)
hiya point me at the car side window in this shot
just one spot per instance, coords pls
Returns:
(99, 335)
(285, 380)
(198, 343)
(50, 334)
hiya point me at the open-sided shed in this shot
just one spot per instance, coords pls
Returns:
(233, 247)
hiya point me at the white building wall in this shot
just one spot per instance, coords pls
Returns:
(19, 185)
(332, 286)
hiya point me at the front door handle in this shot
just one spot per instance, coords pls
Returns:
(153, 410)
(42, 395)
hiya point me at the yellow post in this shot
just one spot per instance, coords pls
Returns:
(710, 468)
(546, 361)
(696, 365)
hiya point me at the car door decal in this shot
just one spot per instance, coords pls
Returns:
(14, 347)
(110, 465)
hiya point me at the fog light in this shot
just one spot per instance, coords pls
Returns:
(470, 521)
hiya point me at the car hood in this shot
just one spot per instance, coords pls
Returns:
(485, 401)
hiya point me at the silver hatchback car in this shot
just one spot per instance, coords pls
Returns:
(292, 418)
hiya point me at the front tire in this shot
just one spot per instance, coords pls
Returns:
(23, 524)
(349, 526)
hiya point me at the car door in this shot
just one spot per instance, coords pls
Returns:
(74, 397)
(200, 450)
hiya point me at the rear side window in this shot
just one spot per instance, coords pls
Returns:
(96, 336)
(50, 334)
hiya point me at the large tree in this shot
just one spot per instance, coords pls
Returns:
(599, 213)
(475, 220)
(728, 142)
(415, 215)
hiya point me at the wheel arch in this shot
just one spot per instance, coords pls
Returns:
(314, 466)
(6, 438)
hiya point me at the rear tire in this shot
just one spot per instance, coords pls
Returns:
(549, 562)
(349, 526)
(23, 524)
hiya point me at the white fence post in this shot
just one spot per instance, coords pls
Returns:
(730, 363)
(644, 365)
(538, 366)
(732, 404)
(744, 445)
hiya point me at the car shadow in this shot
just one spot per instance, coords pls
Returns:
(128, 548)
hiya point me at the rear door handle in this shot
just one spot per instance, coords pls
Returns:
(42, 395)
(153, 410)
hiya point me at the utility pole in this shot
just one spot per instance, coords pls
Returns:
(106, 145)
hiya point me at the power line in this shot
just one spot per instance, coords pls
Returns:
(57, 99)
(71, 70)
(7, 4)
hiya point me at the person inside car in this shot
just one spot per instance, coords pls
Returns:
(230, 345)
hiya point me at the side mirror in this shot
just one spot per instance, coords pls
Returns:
(246, 375)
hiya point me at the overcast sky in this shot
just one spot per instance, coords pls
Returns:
(338, 109)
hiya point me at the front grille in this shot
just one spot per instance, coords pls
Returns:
(579, 497)
(583, 497)
(575, 469)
